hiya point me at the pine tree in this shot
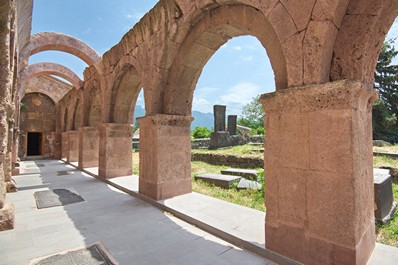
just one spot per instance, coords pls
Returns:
(385, 110)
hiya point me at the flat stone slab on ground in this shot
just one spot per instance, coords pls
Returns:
(94, 254)
(56, 197)
(244, 173)
(249, 184)
(223, 181)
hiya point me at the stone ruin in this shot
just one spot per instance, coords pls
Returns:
(318, 122)
(222, 137)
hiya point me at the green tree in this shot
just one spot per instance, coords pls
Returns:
(252, 115)
(200, 132)
(385, 109)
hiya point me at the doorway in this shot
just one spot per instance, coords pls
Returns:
(34, 144)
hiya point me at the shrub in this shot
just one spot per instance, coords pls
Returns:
(200, 132)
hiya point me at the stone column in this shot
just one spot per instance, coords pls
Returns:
(219, 118)
(57, 145)
(15, 163)
(88, 147)
(115, 150)
(165, 156)
(319, 173)
(64, 145)
(73, 144)
(232, 124)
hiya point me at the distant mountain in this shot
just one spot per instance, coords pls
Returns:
(138, 112)
(201, 119)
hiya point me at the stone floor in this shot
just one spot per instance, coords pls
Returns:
(131, 228)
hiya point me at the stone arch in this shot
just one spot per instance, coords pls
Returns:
(76, 123)
(71, 101)
(125, 90)
(45, 41)
(213, 30)
(94, 107)
(360, 39)
(50, 69)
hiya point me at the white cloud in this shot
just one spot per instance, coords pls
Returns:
(247, 58)
(202, 105)
(238, 96)
(237, 48)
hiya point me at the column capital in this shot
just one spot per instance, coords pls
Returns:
(164, 119)
(343, 94)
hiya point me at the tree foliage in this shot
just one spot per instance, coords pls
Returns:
(252, 115)
(385, 109)
(200, 132)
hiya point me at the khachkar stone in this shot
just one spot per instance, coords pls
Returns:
(232, 124)
(220, 137)
(219, 118)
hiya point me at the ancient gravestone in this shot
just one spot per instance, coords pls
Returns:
(219, 118)
(232, 124)
(383, 196)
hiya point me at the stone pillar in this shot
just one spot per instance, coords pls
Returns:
(73, 144)
(64, 145)
(165, 156)
(219, 118)
(15, 163)
(57, 145)
(232, 124)
(319, 173)
(115, 150)
(88, 147)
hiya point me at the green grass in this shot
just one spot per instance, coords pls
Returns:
(386, 149)
(386, 234)
(241, 150)
(248, 198)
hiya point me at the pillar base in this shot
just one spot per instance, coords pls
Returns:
(165, 156)
(319, 173)
(115, 150)
(7, 217)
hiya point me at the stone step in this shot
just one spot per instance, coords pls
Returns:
(222, 181)
(244, 173)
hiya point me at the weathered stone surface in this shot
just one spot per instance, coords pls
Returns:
(248, 184)
(320, 171)
(50, 86)
(222, 181)
(6, 217)
(50, 69)
(244, 173)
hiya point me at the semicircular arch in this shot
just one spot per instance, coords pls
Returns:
(207, 36)
(45, 41)
(51, 69)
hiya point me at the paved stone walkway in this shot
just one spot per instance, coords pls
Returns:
(133, 231)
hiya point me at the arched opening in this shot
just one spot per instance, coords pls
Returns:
(117, 134)
(170, 132)
(234, 77)
(38, 115)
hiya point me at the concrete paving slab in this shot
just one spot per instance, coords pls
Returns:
(132, 230)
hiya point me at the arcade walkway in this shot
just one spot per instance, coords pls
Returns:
(130, 227)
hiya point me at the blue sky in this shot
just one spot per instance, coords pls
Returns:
(240, 65)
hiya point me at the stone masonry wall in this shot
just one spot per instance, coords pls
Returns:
(229, 160)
